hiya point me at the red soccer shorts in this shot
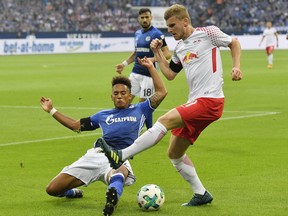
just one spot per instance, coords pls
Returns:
(269, 49)
(197, 115)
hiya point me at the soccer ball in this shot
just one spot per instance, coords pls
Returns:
(150, 197)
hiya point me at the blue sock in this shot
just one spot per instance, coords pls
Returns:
(117, 181)
(70, 193)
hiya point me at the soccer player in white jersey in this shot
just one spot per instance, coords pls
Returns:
(269, 34)
(120, 127)
(198, 54)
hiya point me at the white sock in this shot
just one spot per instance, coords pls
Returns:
(270, 59)
(145, 141)
(186, 169)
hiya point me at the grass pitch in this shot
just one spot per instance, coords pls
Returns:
(241, 159)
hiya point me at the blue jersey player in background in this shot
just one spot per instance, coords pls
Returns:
(120, 126)
(142, 84)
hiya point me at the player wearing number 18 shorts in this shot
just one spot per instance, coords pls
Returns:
(142, 83)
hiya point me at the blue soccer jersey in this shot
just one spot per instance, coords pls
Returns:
(120, 127)
(142, 47)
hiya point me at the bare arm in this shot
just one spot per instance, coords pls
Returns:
(277, 40)
(235, 49)
(119, 67)
(162, 61)
(261, 40)
(160, 89)
(166, 52)
(46, 104)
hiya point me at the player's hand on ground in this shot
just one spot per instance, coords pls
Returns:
(146, 62)
(46, 104)
(119, 68)
(236, 74)
(156, 44)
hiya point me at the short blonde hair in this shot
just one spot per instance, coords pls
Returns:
(179, 11)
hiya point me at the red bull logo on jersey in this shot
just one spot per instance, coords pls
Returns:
(189, 56)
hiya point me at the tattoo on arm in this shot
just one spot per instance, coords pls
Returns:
(155, 100)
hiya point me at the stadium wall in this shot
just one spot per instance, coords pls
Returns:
(98, 45)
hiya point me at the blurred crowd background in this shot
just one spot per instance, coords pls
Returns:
(232, 16)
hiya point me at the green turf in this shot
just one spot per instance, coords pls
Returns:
(242, 159)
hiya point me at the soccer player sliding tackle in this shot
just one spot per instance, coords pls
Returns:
(198, 54)
(120, 127)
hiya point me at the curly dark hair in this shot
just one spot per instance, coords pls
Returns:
(121, 80)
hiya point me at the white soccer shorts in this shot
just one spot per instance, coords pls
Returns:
(142, 86)
(94, 166)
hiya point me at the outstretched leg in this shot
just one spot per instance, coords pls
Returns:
(168, 121)
(145, 141)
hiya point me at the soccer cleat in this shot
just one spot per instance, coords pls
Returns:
(111, 201)
(199, 199)
(270, 66)
(77, 193)
(114, 156)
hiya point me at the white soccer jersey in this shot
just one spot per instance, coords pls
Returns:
(200, 57)
(269, 36)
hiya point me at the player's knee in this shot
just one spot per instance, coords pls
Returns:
(164, 120)
(172, 155)
(49, 190)
(171, 120)
(52, 190)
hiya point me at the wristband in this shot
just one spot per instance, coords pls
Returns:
(52, 111)
(125, 63)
